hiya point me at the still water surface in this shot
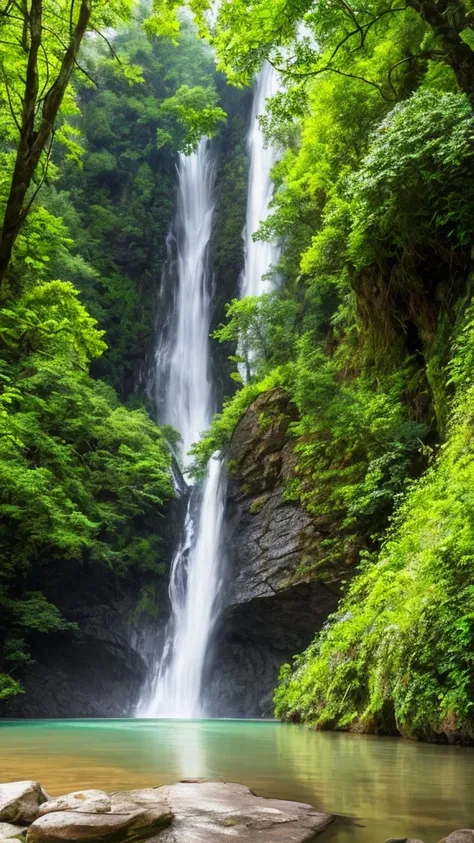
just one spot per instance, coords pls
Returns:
(380, 787)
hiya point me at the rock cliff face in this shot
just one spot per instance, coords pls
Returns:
(97, 671)
(100, 669)
(271, 610)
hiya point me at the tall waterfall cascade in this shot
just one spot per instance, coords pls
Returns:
(184, 399)
(260, 256)
(183, 389)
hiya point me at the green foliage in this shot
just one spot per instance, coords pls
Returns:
(356, 448)
(264, 328)
(195, 110)
(422, 149)
(398, 653)
(373, 205)
(9, 687)
(81, 477)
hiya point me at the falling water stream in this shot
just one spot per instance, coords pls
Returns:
(260, 255)
(184, 399)
(183, 389)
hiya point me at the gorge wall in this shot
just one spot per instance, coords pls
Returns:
(272, 608)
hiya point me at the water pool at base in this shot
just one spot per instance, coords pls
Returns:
(379, 787)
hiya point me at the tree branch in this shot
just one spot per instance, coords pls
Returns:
(10, 104)
(109, 45)
(327, 69)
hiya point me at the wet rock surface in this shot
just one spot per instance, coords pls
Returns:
(73, 825)
(272, 608)
(192, 811)
(100, 669)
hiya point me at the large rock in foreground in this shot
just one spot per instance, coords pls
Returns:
(77, 826)
(84, 801)
(192, 811)
(212, 812)
(20, 801)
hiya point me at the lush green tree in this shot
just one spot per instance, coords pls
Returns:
(43, 41)
(81, 478)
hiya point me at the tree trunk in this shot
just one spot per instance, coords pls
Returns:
(447, 20)
(32, 143)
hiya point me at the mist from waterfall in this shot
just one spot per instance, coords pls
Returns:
(260, 256)
(184, 400)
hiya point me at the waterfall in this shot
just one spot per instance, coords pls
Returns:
(183, 388)
(184, 399)
(194, 587)
(259, 256)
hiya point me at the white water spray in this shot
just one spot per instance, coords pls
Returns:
(260, 256)
(184, 399)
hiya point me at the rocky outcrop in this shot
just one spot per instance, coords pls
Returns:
(272, 607)
(9, 832)
(74, 825)
(20, 801)
(191, 811)
(210, 812)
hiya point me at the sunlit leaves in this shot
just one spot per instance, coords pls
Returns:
(190, 114)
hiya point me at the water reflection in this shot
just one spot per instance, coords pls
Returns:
(380, 787)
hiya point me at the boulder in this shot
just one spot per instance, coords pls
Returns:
(20, 801)
(95, 828)
(463, 835)
(88, 801)
(12, 832)
(209, 812)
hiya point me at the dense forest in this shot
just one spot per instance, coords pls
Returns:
(369, 327)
